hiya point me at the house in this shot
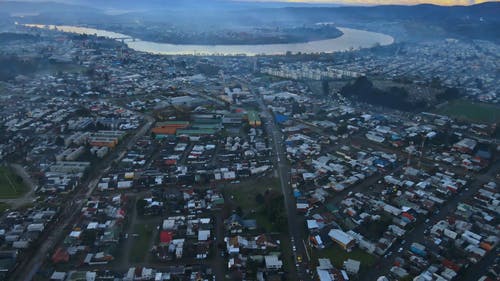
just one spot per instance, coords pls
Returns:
(203, 235)
(352, 266)
(58, 276)
(466, 145)
(273, 262)
(326, 272)
(235, 224)
(344, 240)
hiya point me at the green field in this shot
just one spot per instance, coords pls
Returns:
(11, 186)
(3, 207)
(142, 243)
(471, 111)
(338, 255)
(245, 192)
(243, 195)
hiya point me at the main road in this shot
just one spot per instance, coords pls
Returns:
(295, 223)
(27, 269)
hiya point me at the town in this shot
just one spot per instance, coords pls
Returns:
(122, 165)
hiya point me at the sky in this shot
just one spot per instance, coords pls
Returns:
(381, 2)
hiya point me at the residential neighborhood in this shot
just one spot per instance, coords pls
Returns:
(124, 165)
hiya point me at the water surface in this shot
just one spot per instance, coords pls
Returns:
(351, 39)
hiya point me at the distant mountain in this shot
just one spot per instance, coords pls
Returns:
(41, 7)
(405, 23)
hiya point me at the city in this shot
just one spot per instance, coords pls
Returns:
(376, 163)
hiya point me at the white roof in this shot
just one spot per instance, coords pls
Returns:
(58, 275)
(273, 261)
(340, 236)
(352, 265)
(92, 225)
(324, 275)
(311, 224)
(168, 224)
(203, 235)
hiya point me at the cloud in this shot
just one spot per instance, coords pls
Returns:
(380, 2)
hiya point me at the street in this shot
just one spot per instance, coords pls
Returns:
(71, 210)
(418, 233)
(295, 223)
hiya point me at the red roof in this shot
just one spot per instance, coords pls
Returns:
(60, 255)
(166, 236)
(451, 265)
(409, 216)
(170, 162)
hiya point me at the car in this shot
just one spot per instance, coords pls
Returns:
(299, 258)
(294, 248)
(400, 250)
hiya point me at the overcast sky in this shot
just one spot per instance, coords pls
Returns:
(380, 2)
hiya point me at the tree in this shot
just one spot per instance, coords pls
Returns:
(259, 198)
(141, 206)
(88, 237)
(342, 129)
(239, 211)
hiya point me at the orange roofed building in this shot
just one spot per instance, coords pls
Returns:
(169, 127)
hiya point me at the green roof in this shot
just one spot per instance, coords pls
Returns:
(216, 120)
(166, 123)
(253, 116)
(206, 126)
(196, 132)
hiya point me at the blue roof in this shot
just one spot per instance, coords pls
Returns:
(280, 118)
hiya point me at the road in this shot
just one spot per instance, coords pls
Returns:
(418, 234)
(295, 223)
(70, 211)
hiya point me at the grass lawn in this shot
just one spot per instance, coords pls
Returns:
(10, 185)
(245, 192)
(141, 243)
(262, 221)
(3, 207)
(471, 111)
(337, 255)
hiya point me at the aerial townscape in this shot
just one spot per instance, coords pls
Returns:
(174, 140)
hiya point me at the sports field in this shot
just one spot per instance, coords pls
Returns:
(11, 186)
(471, 111)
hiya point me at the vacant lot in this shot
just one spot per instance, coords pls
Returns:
(338, 255)
(245, 197)
(471, 111)
(244, 194)
(11, 185)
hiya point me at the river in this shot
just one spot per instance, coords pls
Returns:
(351, 39)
